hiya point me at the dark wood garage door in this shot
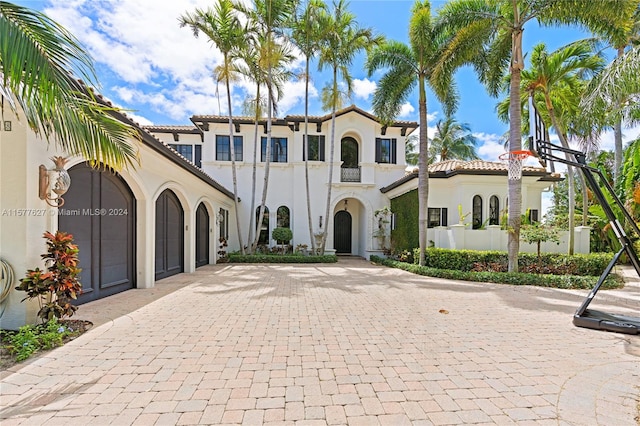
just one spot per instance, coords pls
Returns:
(99, 212)
(169, 235)
(202, 236)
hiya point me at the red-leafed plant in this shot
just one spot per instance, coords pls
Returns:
(58, 285)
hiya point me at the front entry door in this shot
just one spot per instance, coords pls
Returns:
(202, 236)
(342, 232)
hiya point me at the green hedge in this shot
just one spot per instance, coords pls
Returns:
(278, 258)
(463, 260)
(515, 278)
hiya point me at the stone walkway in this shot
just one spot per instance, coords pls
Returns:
(346, 343)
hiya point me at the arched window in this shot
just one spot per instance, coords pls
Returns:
(477, 212)
(264, 228)
(494, 210)
(283, 217)
(349, 152)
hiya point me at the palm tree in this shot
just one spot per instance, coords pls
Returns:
(557, 76)
(343, 40)
(453, 140)
(307, 35)
(488, 36)
(222, 27)
(37, 60)
(253, 56)
(618, 81)
(268, 19)
(410, 66)
(410, 154)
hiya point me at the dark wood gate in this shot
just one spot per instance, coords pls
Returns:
(169, 235)
(202, 236)
(99, 212)
(342, 232)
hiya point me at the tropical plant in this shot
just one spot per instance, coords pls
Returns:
(537, 234)
(222, 27)
(308, 36)
(408, 67)
(453, 140)
(488, 36)
(38, 59)
(343, 39)
(410, 153)
(55, 287)
(558, 77)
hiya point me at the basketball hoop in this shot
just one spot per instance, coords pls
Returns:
(514, 164)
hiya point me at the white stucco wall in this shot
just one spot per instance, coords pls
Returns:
(24, 217)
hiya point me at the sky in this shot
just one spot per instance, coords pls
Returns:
(161, 74)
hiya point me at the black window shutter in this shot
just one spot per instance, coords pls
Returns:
(263, 148)
(304, 147)
(378, 150)
(321, 148)
(198, 156)
(393, 151)
(443, 217)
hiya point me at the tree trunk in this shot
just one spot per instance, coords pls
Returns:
(306, 153)
(617, 133)
(423, 171)
(331, 152)
(252, 223)
(233, 166)
(515, 144)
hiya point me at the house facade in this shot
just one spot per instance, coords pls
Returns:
(366, 154)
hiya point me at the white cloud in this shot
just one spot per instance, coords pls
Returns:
(406, 110)
(490, 147)
(363, 88)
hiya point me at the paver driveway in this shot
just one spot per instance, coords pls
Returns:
(347, 343)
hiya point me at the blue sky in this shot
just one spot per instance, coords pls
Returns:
(159, 72)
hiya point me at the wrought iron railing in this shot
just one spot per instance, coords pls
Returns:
(350, 174)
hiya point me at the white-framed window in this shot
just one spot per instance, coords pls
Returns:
(223, 148)
(436, 217)
(314, 150)
(192, 152)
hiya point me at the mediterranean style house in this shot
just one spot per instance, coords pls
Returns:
(168, 214)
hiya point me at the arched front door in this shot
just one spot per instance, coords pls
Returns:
(342, 232)
(169, 235)
(202, 236)
(99, 211)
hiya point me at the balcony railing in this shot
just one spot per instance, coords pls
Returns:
(350, 174)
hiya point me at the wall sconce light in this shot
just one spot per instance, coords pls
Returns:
(345, 204)
(56, 180)
(320, 222)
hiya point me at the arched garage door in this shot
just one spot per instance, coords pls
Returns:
(202, 236)
(99, 212)
(169, 235)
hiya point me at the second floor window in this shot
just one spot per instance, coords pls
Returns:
(314, 150)
(278, 150)
(385, 151)
(192, 153)
(223, 149)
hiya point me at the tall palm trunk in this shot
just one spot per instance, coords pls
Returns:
(423, 171)
(252, 224)
(265, 186)
(306, 153)
(515, 144)
(233, 166)
(331, 152)
(617, 133)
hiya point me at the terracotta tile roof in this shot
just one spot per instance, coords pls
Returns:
(171, 129)
(449, 168)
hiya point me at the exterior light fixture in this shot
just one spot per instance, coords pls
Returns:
(54, 183)
(345, 204)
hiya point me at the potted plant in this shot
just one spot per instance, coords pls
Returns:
(282, 236)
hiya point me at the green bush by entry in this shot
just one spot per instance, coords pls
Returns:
(514, 278)
(465, 260)
(278, 258)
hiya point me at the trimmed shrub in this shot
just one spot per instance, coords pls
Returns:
(272, 258)
(553, 263)
(514, 278)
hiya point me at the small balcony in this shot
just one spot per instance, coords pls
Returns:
(350, 174)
